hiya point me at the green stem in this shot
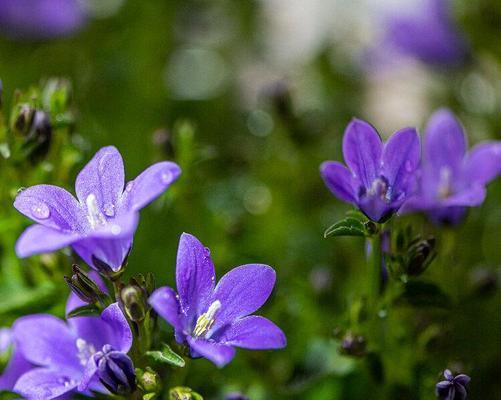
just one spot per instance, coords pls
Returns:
(374, 273)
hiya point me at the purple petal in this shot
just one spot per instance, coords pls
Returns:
(164, 302)
(195, 275)
(376, 208)
(102, 177)
(42, 383)
(444, 141)
(447, 215)
(460, 392)
(362, 149)
(339, 180)
(219, 354)
(242, 291)
(17, 366)
(53, 207)
(150, 184)
(401, 156)
(37, 239)
(448, 375)
(483, 163)
(254, 332)
(472, 196)
(443, 388)
(89, 373)
(122, 226)
(462, 379)
(47, 341)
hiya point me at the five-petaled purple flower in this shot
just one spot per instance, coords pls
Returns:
(100, 225)
(380, 177)
(41, 19)
(213, 319)
(52, 358)
(427, 34)
(452, 179)
(454, 387)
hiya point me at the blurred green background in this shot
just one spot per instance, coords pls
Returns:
(250, 97)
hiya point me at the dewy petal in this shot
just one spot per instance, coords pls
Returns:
(46, 341)
(17, 366)
(111, 251)
(195, 275)
(400, 159)
(53, 207)
(104, 177)
(362, 149)
(339, 180)
(37, 239)
(254, 332)
(43, 383)
(444, 141)
(150, 184)
(242, 291)
(164, 302)
(219, 354)
(483, 163)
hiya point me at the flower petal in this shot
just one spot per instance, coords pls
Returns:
(47, 341)
(339, 180)
(53, 207)
(37, 239)
(242, 291)
(103, 176)
(43, 383)
(472, 196)
(362, 149)
(150, 184)
(401, 157)
(16, 367)
(460, 392)
(444, 141)
(462, 379)
(164, 302)
(219, 354)
(89, 373)
(195, 275)
(254, 332)
(483, 163)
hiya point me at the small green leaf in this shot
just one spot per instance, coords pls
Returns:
(84, 311)
(349, 226)
(149, 396)
(5, 395)
(166, 356)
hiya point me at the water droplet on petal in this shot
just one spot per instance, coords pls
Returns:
(40, 211)
(21, 189)
(116, 229)
(166, 177)
(206, 251)
(109, 209)
(129, 186)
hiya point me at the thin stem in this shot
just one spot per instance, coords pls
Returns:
(374, 273)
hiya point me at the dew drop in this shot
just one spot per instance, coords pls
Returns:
(40, 211)
(206, 251)
(109, 210)
(116, 229)
(166, 177)
(129, 186)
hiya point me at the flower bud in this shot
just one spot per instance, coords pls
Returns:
(419, 256)
(353, 345)
(134, 300)
(183, 393)
(39, 137)
(148, 380)
(84, 287)
(115, 371)
(22, 119)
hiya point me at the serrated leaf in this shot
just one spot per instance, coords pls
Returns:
(84, 311)
(166, 356)
(349, 226)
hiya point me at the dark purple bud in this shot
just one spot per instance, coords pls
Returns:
(419, 256)
(84, 287)
(116, 371)
(353, 345)
(22, 119)
(134, 301)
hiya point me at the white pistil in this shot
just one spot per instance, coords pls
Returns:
(94, 214)
(85, 351)
(444, 185)
(206, 320)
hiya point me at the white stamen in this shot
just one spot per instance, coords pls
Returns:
(94, 214)
(445, 184)
(85, 351)
(206, 320)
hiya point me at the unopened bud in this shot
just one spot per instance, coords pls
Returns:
(183, 393)
(134, 300)
(22, 119)
(419, 256)
(148, 380)
(353, 345)
(39, 137)
(115, 371)
(83, 286)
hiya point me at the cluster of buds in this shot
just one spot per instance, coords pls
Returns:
(85, 288)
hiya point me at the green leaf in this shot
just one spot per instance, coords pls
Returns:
(149, 396)
(349, 226)
(84, 311)
(166, 356)
(5, 395)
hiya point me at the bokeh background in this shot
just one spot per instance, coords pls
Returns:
(250, 97)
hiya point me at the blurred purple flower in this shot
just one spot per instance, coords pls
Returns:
(453, 388)
(379, 178)
(213, 319)
(52, 358)
(41, 19)
(452, 178)
(100, 225)
(428, 34)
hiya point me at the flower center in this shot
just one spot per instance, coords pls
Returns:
(85, 351)
(379, 188)
(445, 189)
(94, 214)
(206, 320)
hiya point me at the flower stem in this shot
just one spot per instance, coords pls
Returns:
(374, 273)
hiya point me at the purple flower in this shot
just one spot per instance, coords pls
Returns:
(212, 319)
(115, 370)
(101, 222)
(41, 19)
(53, 358)
(451, 178)
(453, 388)
(428, 34)
(379, 178)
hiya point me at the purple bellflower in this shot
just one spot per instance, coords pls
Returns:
(41, 19)
(451, 178)
(213, 319)
(52, 358)
(101, 222)
(427, 34)
(453, 388)
(379, 177)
